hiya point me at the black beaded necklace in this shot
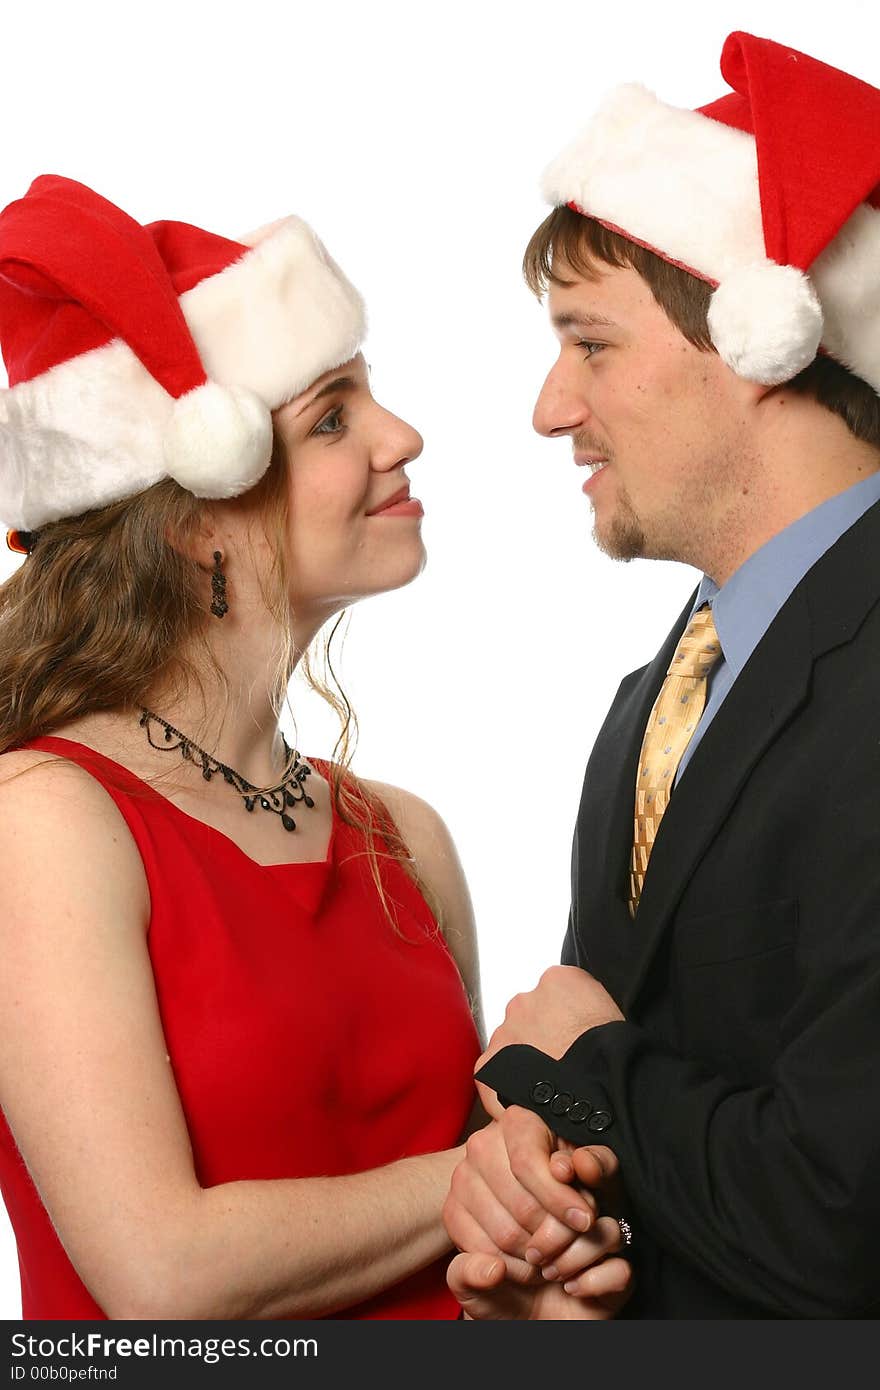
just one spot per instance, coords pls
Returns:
(285, 794)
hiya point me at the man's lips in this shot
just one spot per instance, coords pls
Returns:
(592, 461)
(597, 463)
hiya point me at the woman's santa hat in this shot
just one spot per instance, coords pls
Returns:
(772, 194)
(141, 353)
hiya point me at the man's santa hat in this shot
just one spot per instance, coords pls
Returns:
(771, 194)
(141, 353)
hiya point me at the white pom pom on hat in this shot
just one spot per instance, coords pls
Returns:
(139, 353)
(766, 322)
(218, 440)
(771, 193)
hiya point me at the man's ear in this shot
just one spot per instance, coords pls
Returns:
(754, 397)
(753, 393)
(768, 398)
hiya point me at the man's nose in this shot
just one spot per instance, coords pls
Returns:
(560, 408)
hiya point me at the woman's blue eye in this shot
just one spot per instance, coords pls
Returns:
(590, 347)
(331, 424)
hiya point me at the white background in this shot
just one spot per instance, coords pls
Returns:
(413, 138)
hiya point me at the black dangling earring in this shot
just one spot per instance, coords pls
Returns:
(219, 606)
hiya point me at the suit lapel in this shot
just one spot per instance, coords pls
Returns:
(600, 938)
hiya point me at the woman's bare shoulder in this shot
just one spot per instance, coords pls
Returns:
(421, 826)
(56, 815)
(22, 759)
(29, 774)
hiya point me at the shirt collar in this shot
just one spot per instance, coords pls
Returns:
(746, 605)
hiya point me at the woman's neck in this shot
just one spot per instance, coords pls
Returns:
(224, 700)
(234, 716)
(236, 722)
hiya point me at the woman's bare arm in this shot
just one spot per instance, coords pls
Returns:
(433, 849)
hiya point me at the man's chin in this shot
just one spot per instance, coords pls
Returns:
(621, 539)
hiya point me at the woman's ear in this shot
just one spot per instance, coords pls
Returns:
(196, 539)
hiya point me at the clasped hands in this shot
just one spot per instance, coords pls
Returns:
(525, 1208)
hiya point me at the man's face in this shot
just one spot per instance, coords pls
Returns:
(660, 424)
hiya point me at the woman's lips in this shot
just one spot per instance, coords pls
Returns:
(399, 504)
(410, 507)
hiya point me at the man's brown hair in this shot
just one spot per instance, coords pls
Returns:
(584, 245)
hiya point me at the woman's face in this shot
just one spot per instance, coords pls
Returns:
(346, 457)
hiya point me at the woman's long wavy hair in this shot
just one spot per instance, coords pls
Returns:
(109, 607)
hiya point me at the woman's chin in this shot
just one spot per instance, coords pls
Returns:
(326, 605)
(405, 569)
(402, 575)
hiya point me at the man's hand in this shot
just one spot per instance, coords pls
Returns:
(481, 1287)
(566, 1003)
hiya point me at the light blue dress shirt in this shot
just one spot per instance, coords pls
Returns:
(746, 605)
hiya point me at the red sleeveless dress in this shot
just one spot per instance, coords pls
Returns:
(308, 1037)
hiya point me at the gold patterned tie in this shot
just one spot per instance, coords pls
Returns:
(669, 730)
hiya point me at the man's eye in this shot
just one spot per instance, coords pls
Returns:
(589, 347)
(331, 424)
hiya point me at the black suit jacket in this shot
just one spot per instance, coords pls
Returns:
(742, 1093)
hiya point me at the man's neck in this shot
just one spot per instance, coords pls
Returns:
(805, 456)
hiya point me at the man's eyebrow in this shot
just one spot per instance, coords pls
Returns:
(339, 383)
(585, 320)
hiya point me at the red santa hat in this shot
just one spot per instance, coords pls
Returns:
(140, 353)
(771, 193)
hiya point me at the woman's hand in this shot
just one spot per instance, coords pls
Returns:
(488, 1211)
(597, 1168)
(481, 1285)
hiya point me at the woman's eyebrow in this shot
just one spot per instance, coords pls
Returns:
(339, 383)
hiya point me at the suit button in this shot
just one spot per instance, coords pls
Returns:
(599, 1120)
(543, 1091)
(561, 1103)
(579, 1111)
